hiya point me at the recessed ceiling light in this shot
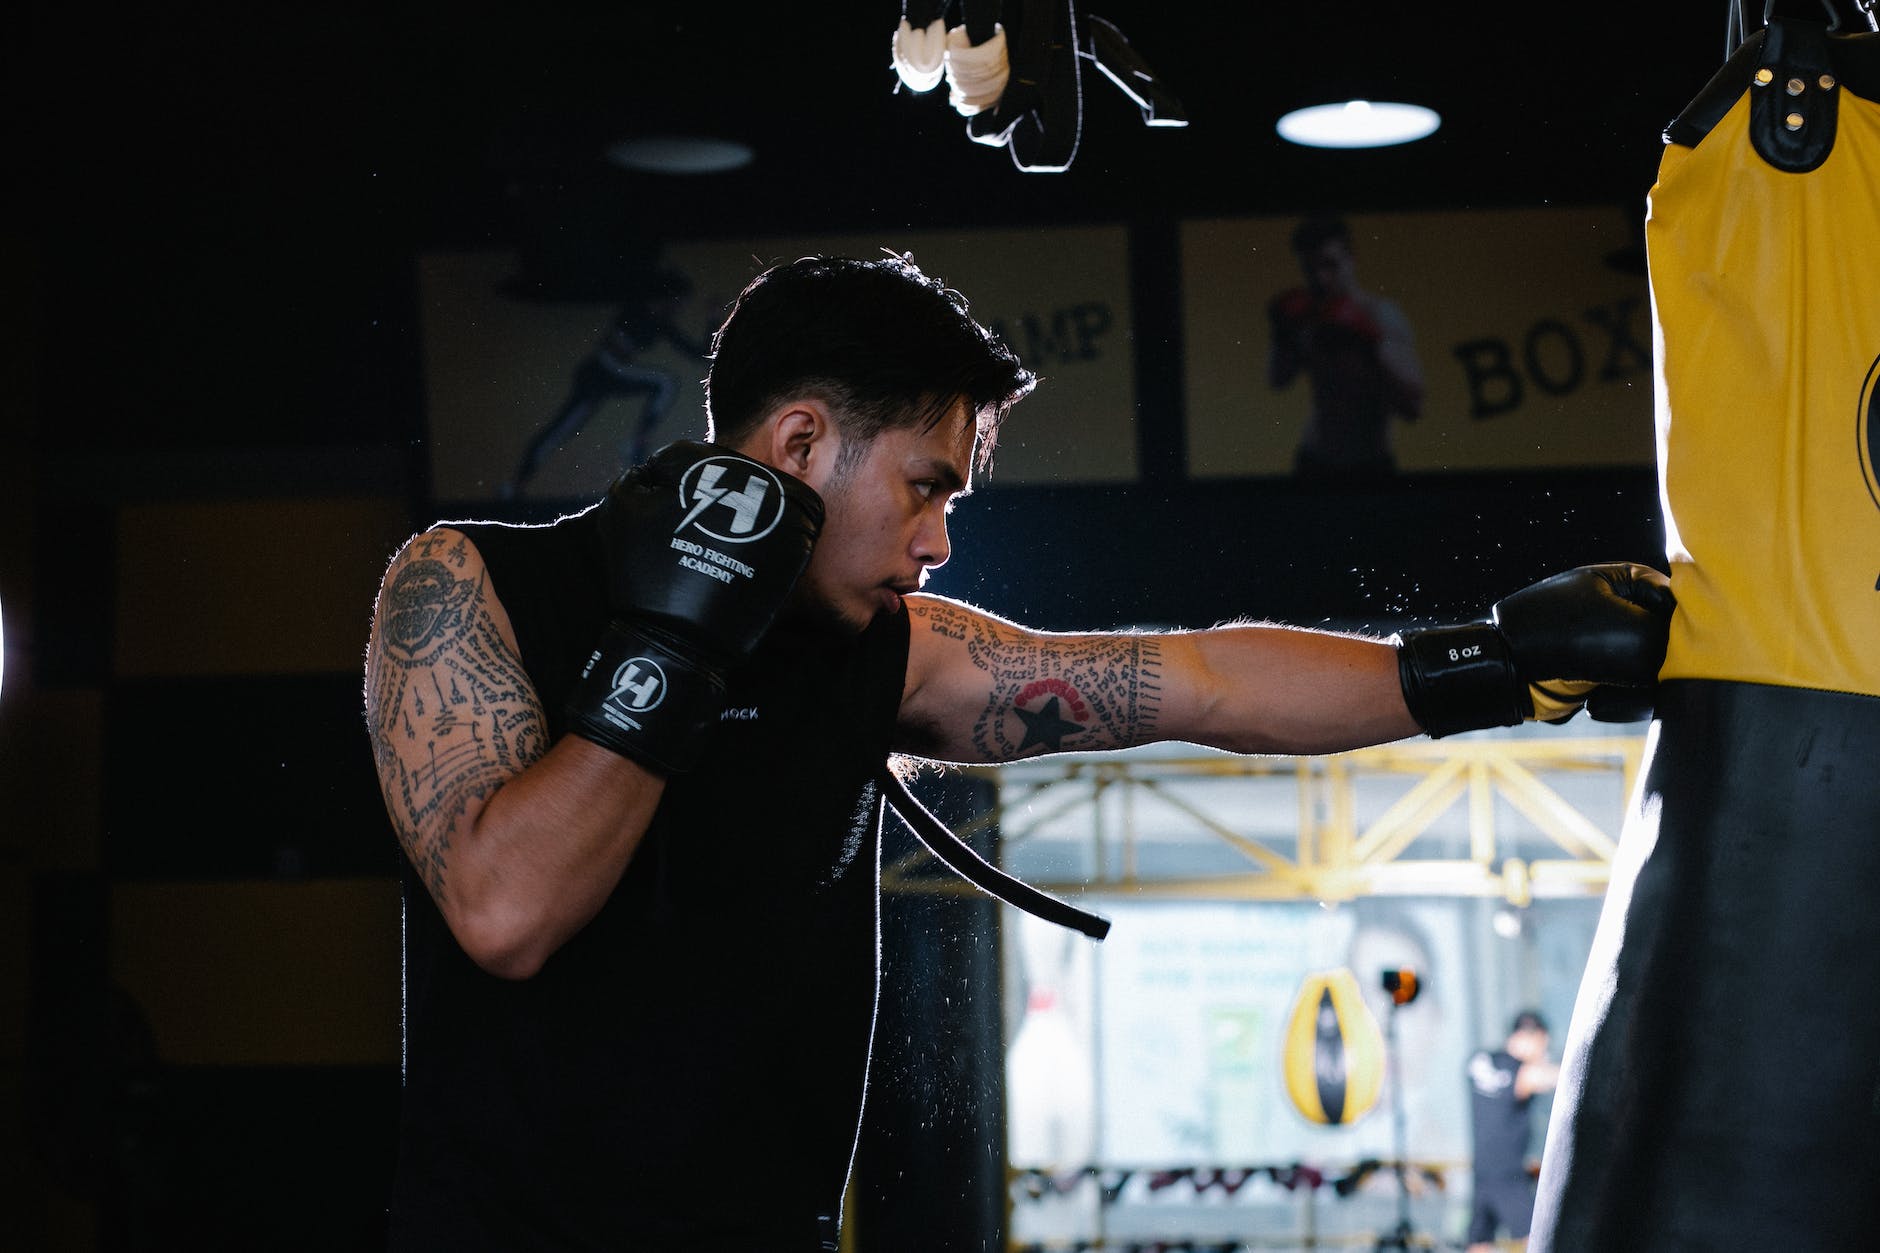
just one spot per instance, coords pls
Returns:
(680, 154)
(1358, 124)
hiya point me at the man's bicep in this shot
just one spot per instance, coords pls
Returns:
(449, 710)
(981, 689)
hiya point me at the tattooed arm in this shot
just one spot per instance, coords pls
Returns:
(519, 843)
(981, 689)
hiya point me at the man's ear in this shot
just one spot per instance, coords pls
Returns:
(800, 438)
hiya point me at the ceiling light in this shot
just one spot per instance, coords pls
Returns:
(1358, 124)
(680, 154)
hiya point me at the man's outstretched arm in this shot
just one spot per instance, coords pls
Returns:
(982, 689)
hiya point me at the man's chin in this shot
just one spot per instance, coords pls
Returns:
(808, 611)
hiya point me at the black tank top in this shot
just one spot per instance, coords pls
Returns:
(687, 1071)
(1498, 1118)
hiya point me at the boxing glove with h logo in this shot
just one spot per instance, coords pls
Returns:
(702, 546)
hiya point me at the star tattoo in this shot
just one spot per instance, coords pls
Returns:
(1046, 727)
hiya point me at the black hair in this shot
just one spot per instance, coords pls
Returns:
(1315, 232)
(884, 345)
(1528, 1020)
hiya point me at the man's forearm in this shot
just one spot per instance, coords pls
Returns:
(1275, 689)
(539, 859)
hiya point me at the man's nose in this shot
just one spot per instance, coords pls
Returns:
(932, 545)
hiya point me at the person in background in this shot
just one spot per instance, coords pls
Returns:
(1357, 351)
(1503, 1084)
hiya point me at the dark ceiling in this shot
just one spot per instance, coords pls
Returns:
(210, 188)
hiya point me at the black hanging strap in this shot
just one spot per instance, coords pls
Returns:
(973, 868)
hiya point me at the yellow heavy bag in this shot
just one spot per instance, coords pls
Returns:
(1719, 1083)
(1765, 288)
(1334, 1057)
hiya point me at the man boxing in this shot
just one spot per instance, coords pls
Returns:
(634, 759)
(1357, 351)
(1503, 1083)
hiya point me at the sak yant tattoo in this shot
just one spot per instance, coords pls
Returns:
(450, 712)
(1071, 693)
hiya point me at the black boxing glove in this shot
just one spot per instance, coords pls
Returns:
(1543, 653)
(702, 546)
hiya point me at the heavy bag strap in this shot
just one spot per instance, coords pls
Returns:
(1796, 70)
(979, 872)
(1793, 97)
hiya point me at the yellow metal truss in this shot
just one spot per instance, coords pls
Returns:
(1331, 856)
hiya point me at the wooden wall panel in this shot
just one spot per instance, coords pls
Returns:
(250, 587)
(263, 974)
(51, 776)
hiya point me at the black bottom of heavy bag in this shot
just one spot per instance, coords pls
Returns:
(1722, 1081)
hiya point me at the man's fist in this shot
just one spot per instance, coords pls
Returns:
(1607, 624)
(1290, 308)
(707, 543)
(1544, 652)
(702, 546)
(1305, 321)
(1348, 319)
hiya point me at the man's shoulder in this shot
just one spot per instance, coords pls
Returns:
(951, 618)
(949, 636)
(504, 526)
(501, 535)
